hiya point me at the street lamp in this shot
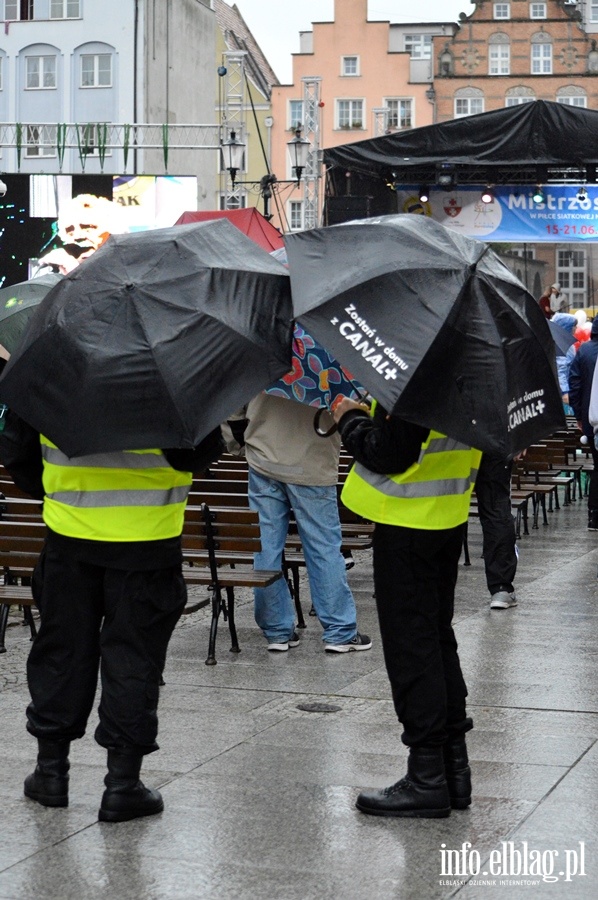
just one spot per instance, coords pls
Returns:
(232, 155)
(299, 149)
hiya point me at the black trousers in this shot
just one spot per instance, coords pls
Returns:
(415, 573)
(593, 486)
(91, 617)
(493, 490)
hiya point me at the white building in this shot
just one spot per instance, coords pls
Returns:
(77, 76)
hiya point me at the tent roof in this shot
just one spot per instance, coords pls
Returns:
(504, 146)
(250, 221)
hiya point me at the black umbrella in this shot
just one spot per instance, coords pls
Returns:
(17, 306)
(433, 325)
(153, 341)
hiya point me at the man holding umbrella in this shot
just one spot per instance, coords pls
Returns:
(420, 510)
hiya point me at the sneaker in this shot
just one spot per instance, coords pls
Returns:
(503, 600)
(283, 646)
(359, 642)
(349, 561)
(592, 520)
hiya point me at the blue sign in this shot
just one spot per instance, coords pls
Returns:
(513, 214)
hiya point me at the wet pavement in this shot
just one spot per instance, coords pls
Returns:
(259, 793)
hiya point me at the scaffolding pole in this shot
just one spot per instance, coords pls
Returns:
(233, 115)
(311, 131)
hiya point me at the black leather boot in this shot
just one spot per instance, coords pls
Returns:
(421, 794)
(458, 773)
(49, 783)
(126, 797)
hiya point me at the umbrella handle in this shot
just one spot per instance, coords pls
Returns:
(317, 429)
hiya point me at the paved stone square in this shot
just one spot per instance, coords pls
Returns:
(259, 794)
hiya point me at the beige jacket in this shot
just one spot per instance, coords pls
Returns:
(281, 443)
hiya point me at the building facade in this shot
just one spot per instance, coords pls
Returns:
(78, 76)
(243, 105)
(353, 78)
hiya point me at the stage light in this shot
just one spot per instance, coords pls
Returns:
(539, 196)
(582, 194)
(445, 175)
(487, 195)
(424, 194)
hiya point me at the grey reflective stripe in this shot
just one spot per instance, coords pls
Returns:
(415, 489)
(442, 445)
(122, 460)
(96, 499)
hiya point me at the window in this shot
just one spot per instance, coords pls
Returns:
(594, 11)
(571, 275)
(573, 97)
(537, 10)
(499, 59)
(468, 106)
(295, 113)
(419, 46)
(18, 10)
(542, 59)
(91, 137)
(349, 113)
(232, 201)
(96, 70)
(350, 65)
(40, 72)
(516, 101)
(40, 140)
(296, 215)
(502, 10)
(0, 73)
(64, 9)
(399, 113)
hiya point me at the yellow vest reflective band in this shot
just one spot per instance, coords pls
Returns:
(434, 493)
(134, 495)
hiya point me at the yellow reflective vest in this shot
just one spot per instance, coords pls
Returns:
(434, 493)
(134, 495)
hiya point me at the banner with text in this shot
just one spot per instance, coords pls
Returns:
(513, 214)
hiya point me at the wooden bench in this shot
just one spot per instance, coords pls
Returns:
(219, 544)
(20, 547)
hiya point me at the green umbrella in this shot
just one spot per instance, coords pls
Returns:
(17, 305)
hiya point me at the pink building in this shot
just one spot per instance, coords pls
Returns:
(352, 79)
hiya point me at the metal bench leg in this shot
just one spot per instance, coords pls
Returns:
(230, 596)
(3, 622)
(216, 606)
(295, 593)
(28, 616)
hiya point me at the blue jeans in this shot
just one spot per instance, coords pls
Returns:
(316, 512)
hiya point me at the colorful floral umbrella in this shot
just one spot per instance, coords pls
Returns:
(316, 378)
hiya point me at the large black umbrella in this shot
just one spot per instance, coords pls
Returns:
(433, 325)
(17, 306)
(153, 341)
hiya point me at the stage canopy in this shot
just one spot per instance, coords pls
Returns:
(533, 143)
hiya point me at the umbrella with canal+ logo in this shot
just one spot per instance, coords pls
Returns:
(433, 325)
